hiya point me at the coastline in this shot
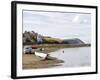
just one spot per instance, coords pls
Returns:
(30, 61)
(59, 45)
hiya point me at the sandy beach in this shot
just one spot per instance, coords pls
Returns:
(30, 61)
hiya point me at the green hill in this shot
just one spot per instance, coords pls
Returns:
(35, 38)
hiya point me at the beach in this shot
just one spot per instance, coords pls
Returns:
(60, 57)
(30, 61)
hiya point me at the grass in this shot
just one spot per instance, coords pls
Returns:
(61, 45)
(49, 39)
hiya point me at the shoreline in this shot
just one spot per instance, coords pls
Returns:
(31, 61)
(59, 45)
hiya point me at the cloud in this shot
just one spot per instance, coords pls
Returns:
(82, 19)
(63, 25)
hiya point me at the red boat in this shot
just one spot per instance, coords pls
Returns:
(34, 47)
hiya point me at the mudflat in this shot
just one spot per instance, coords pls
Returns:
(30, 61)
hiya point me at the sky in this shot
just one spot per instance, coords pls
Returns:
(64, 25)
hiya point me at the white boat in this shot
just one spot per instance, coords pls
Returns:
(42, 55)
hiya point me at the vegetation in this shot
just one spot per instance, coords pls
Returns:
(30, 38)
(61, 45)
(51, 40)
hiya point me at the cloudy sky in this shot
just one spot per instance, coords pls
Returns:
(63, 25)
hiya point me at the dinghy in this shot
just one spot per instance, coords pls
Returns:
(44, 56)
(41, 55)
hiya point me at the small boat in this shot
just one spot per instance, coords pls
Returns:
(44, 56)
(41, 55)
(34, 47)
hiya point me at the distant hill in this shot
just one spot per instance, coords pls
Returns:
(73, 41)
(31, 37)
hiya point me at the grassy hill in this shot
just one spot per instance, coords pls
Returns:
(35, 38)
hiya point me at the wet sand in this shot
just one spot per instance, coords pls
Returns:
(30, 61)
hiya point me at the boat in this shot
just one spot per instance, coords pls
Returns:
(44, 56)
(41, 55)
